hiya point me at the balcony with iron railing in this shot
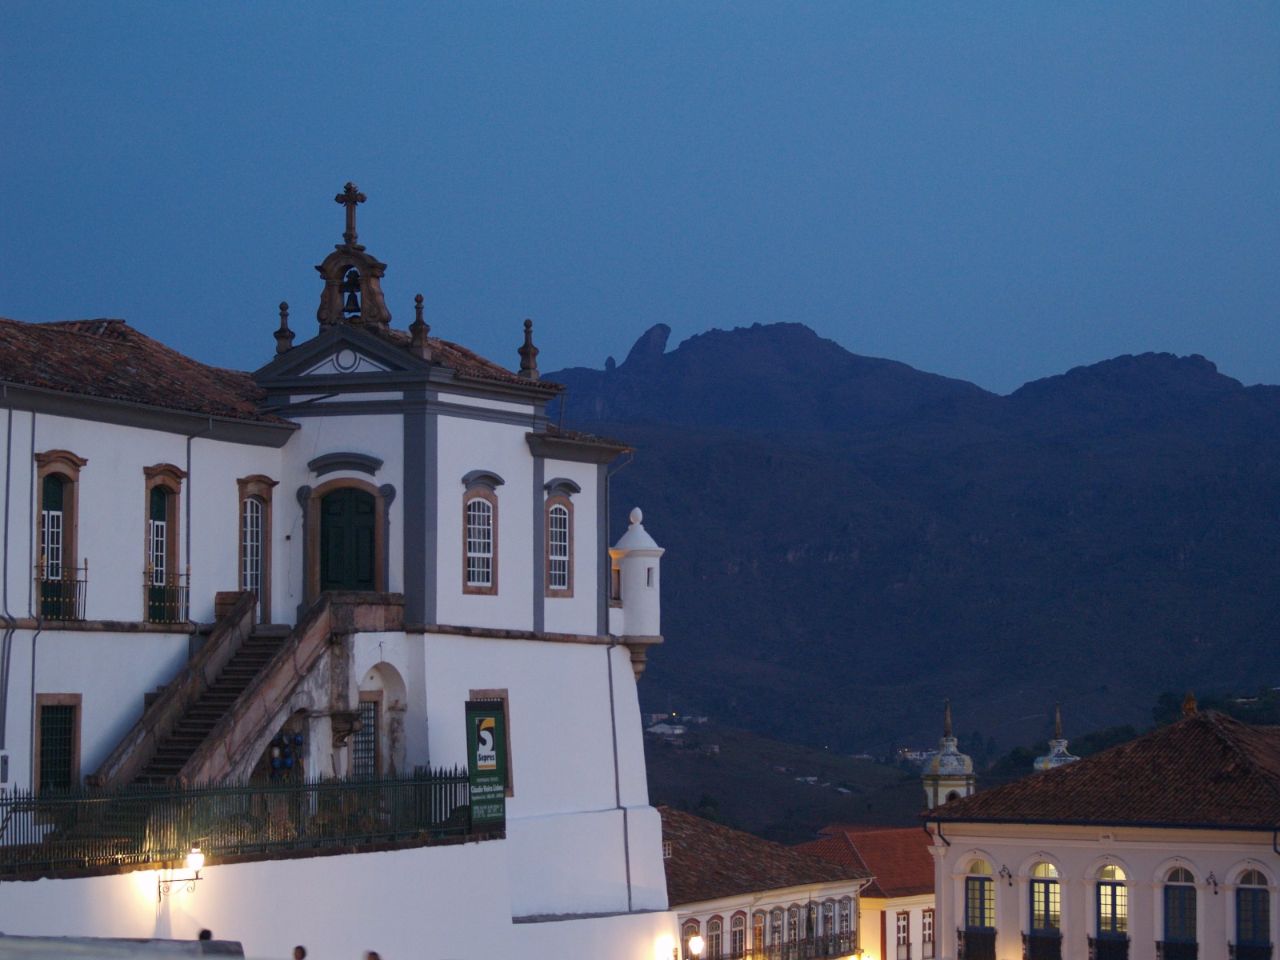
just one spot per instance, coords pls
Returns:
(83, 831)
(1249, 951)
(1177, 950)
(165, 597)
(61, 589)
(1109, 948)
(806, 948)
(1042, 945)
(976, 943)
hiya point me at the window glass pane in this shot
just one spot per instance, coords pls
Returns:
(479, 543)
(57, 746)
(1046, 905)
(1180, 914)
(558, 547)
(251, 545)
(1253, 916)
(979, 902)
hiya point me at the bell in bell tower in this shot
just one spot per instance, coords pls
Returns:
(352, 276)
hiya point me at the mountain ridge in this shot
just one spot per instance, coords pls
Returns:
(842, 559)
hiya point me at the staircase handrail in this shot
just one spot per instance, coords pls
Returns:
(159, 719)
(253, 718)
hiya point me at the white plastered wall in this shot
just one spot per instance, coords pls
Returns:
(578, 613)
(1145, 854)
(465, 445)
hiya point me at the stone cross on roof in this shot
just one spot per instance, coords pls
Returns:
(349, 197)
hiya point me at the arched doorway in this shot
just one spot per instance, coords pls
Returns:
(348, 540)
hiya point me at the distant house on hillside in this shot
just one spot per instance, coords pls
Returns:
(896, 918)
(1162, 848)
(750, 898)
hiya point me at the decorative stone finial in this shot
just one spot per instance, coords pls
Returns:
(349, 197)
(419, 330)
(529, 354)
(284, 336)
(1057, 721)
(1189, 706)
(636, 517)
(946, 720)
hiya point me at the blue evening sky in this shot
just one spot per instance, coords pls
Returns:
(990, 191)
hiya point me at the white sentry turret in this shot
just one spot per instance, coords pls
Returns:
(635, 607)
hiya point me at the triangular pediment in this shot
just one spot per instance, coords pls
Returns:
(343, 361)
(340, 351)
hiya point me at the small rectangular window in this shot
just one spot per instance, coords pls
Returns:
(57, 742)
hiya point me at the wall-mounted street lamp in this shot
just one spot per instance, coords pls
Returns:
(1006, 874)
(1213, 882)
(696, 946)
(195, 863)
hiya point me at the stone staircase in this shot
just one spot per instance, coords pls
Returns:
(174, 750)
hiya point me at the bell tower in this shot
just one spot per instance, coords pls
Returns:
(352, 276)
(949, 775)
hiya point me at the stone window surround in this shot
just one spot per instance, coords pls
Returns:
(309, 499)
(257, 486)
(169, 477)
(67, 465)
(481, 485)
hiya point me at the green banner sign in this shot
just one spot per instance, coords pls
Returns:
(487, 761)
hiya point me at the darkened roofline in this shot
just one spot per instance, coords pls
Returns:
(132, 413)
(1118, 824)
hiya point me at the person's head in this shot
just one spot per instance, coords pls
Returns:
(299, 952)
(206, 934)
(371, 955)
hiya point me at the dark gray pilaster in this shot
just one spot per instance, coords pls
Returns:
(602, 527)
(539, 547)
(304, 499)
(416, 506)
(388, 494)
(431, 507)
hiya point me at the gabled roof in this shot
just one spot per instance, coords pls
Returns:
(898, 857)
(1206, 770)
(709, 861)
(466, 363)
(110, 360)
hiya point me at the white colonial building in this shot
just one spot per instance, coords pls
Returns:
(1163, 848)
(307, 573)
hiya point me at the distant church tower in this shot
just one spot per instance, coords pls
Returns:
(1057, 755)
(949, 775)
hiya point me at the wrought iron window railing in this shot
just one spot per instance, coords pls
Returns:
(1249, 951)
(1042, 945)
(64, 832)
(1176, 950)
(1108, 948)
(61, 590)
(808, 948)
(976, 943)
(165, 601)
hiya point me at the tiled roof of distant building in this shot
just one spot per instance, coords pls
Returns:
(709, 861)
(110, 360)
(898, 857)
(1206, 770)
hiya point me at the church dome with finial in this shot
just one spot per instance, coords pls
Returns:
(949, 775)
(1058, 754)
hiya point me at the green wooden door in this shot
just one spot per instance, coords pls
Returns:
(347, 540)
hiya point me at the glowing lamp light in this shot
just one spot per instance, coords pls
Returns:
(194, 863)
(696, 945)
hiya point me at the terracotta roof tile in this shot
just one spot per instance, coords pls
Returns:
(898, 857)
(1206, 770)
(111, 360)
(466, 363)
(709, 861)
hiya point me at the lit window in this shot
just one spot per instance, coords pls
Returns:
(1113, 903)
